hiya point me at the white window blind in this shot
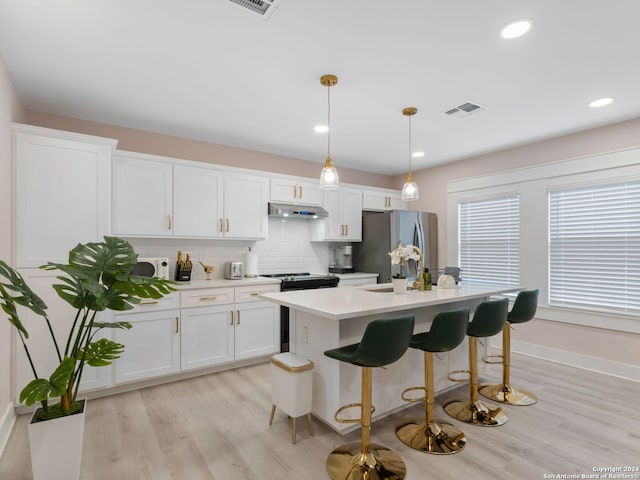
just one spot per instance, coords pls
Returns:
(489, 240)
(594, 247)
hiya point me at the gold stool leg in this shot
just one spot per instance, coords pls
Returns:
(430, 436)
(294, 427)
(365, 460)
(474, 411)
(310, 424)
(505, 392)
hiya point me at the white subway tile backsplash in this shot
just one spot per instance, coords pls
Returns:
(287, 250)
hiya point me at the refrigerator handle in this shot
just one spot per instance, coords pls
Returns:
(419, 242)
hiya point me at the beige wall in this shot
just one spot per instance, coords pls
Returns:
(166, 145)
(11, 110)
(606, 344)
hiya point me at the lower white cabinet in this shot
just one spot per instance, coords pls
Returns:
(152, 346)
(207, 336)
(257, 329)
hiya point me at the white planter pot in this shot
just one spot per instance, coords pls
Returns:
(399, 285)
(56, 446)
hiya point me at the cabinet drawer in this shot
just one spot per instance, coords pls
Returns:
(250, 293)
(204, 297)
(169, 301)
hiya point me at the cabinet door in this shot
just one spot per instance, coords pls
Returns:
(351, 202)
(257, 329)
(142, 197)
(281, 190)
(245, 206)
(333, 225)
(43, 353)
(309, 194)
(207, 336)
(382, 200)
(197, 202)
(396, 202)
(152, 346)
(62, 196)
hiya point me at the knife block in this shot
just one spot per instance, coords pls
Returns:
(183, 271)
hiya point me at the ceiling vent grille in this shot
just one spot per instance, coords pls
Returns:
(465, 109)
(260, 8)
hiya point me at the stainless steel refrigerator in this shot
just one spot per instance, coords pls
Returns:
(383, 231)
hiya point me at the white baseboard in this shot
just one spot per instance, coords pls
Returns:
(7, 420)
(579, 360)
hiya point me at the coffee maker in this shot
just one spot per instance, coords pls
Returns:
(342, 260)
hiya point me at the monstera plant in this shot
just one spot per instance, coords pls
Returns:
(97, 277)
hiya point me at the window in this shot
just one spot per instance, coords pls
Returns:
(489, 240)
(594, 247)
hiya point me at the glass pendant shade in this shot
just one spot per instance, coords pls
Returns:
(329, 176)
(410, 189)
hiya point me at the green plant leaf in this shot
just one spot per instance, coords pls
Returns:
(120, 325)
(102, 352)
(41, 389)
(16, 291)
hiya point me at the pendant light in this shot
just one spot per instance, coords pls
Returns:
(329, 176)
(410, 189)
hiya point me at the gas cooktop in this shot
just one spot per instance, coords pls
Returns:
(304, 280)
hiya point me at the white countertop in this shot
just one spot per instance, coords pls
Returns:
(343, 303)
(223, 282)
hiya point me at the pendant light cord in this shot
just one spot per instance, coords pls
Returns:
(329, 120)
(409, 144)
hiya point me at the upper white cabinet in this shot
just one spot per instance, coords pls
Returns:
(289, 191)
(160, 197)
(142, 197)
(345, 216)
(383, 200)
(62, 192)
(245, 205)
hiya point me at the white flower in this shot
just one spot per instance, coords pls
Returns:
(401, 254)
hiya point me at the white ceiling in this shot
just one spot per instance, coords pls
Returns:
(210, 70)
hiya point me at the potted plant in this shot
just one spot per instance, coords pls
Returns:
(97, 277)
(400, 256)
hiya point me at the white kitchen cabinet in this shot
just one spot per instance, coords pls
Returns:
(345, 217)
(62, 192)
(222, 330)
(43, 354)
(197, 202)
(160, 197)
(152, 346)
(207, 336)
(383, 200)
(245, 206)
(142, 197)
(298, 193)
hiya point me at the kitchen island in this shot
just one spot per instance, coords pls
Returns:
(333, 317)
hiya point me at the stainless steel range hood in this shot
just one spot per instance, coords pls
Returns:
(283, 210)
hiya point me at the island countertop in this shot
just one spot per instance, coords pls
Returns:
(350, 302)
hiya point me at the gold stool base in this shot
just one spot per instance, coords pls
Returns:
(509, 394)
(438, 438)
(347, 462)
(477, 413)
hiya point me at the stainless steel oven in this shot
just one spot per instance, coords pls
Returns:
(298, 281)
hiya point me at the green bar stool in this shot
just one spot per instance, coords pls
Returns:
(488, 320)
(384, 341)
(524, 309)
(447, 331)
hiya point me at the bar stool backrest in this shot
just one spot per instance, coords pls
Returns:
(447, 331)
(384, 341)
(524, 308)
(489, 318)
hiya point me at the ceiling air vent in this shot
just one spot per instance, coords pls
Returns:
(261, 8)
(465, 109)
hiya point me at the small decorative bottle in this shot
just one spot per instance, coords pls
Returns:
(427, 279)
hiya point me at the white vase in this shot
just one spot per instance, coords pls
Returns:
(399, 285)
(56, 446)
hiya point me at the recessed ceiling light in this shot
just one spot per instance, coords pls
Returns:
(321, 129)
(517, 28)
(417, 154)
(601, 102)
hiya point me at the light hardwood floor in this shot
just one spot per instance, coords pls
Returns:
(216, 427)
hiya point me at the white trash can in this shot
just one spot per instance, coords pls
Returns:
(291, 388)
